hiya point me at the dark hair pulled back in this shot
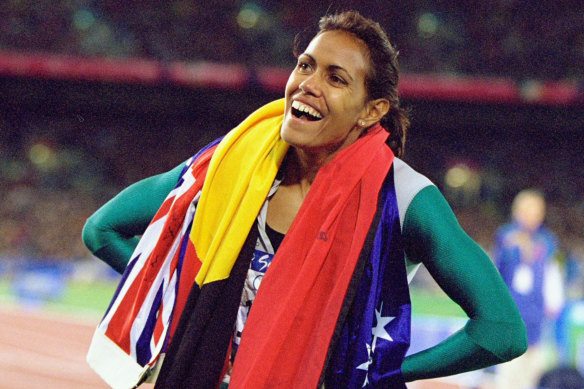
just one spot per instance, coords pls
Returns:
(383, 77)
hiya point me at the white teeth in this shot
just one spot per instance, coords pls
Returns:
(305, 108)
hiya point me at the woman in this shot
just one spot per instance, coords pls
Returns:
(311, 187)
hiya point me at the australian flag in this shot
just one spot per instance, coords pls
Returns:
(376, 334)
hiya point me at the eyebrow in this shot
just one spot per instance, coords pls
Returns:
(330, 67)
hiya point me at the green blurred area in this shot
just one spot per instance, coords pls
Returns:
(79, 297)
(93, 298)
(434, 303)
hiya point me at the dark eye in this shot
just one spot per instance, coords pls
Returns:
(336, 79)
(303, 66)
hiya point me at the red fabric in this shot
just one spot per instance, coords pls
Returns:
(291, 323)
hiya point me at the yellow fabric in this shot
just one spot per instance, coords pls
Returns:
(240, 175)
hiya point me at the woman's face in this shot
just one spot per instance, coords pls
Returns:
(326, 94)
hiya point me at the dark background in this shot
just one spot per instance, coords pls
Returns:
(69, 143)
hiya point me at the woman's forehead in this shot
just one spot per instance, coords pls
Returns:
(339, 48)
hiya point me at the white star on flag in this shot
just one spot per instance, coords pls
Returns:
(365, 365)
(379, 330)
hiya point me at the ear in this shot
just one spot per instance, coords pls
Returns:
(373, 112)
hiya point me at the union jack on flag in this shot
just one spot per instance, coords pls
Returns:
(138, 323)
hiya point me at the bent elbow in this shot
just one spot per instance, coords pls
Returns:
(505, 339)
(89, 235)
(521, 349)
(521, 343)
(517, 342)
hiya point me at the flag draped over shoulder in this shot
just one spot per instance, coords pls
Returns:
(158, 278)
(191, 261)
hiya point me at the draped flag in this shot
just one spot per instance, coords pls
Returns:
(175, 250)
(333, 307)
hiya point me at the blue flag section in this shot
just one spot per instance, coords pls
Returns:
(376, 336)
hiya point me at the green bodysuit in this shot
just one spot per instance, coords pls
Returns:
(432, 236)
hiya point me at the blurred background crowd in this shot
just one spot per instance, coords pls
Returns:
(66, 147)
(74, 164)
(519, 38)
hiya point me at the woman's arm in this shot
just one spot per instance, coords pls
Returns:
(495, 332)
(111, 233)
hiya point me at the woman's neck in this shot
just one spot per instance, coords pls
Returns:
(299, 171)
(297, 176)
(301, 168)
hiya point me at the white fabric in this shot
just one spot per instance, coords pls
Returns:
(408, 183)
(117, 368)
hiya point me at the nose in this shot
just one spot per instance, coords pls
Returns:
(311, 85)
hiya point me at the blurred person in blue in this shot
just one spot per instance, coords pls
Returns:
(525, 254)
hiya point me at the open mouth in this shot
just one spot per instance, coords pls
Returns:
(301, 110)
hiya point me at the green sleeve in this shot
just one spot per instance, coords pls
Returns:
(495, 332)
(111, 233)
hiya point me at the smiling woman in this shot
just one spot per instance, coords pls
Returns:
(280, 255)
